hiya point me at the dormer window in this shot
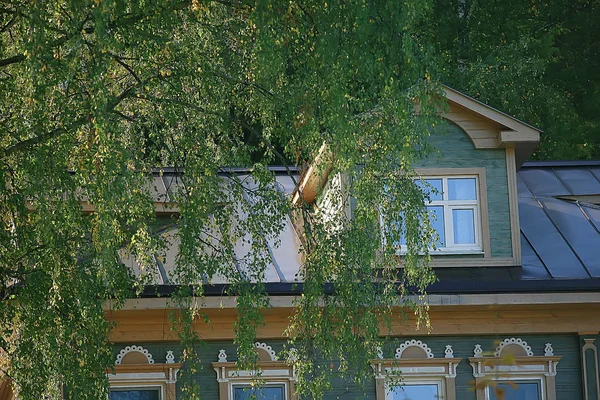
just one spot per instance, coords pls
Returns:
(456, 205)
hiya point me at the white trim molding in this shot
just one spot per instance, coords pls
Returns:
(267, 349)
(413, 343)
(589, 346)
(133, 349)
(143, 372)
(508, 365)
(269, 372)
(516, 341)
(416, 368)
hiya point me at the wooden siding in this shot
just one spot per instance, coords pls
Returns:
(154, 325)
(455, 150)
(568, 379)
(482, 131)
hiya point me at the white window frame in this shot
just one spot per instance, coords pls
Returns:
(522, 367)
(244, 384)
(539, 379)
(448, 206)
(482, 229)
(269, 371)
(414, 369)
(160, 388)
(408, 381)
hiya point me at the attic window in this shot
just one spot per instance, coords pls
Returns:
(455, 212)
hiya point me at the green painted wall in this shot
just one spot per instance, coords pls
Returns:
(454, 149)
(568, 379)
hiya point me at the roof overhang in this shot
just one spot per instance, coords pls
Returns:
(508, 131)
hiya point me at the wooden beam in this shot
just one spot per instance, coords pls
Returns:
(315, 177)
(155, 325)
(513, 205)
(510, 138)
(228, 304)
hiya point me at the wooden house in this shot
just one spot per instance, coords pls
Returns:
(519, 279)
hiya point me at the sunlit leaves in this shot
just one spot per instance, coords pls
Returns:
(96, 94)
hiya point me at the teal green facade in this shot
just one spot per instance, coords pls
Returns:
(568, 379)
(454, 149)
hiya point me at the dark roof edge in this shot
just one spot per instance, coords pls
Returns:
(558, 163)
(455, 287)
(274, 168)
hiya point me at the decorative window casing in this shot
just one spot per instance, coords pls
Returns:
(513, 363)
(414, 369)
(136, 370)
(275, 375)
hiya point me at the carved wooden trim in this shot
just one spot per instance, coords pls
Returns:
(266, 349)
(513, 341)
(541, 368)
(163, 376)
(413, 343)
(438, 369)
(589, 345)
(268, 372)
(133, 349)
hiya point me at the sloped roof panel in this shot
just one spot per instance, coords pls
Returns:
(596, 172)
(593, 213)
(551, 247)
(580, 235)
(543, 182)
(522, 189)
(533, 267)
(578, 180)
(280, 257)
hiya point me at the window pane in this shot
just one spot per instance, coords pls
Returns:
(264, 393)
(416, 392)
(436, 218)
(432, 187)
(516, 391)
(464, 226)
(135, 394)
(462, 189)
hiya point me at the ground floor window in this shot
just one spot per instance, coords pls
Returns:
(416, 391)
(516, 390)
(415, 374)
(135, 393)
(514, 372)
(268, 392)
(136, 376)
(273, 379)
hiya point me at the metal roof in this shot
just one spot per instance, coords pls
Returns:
(560, 240)
(282, 253)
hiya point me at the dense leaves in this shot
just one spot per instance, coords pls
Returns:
(95, 94)
(536, 60)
